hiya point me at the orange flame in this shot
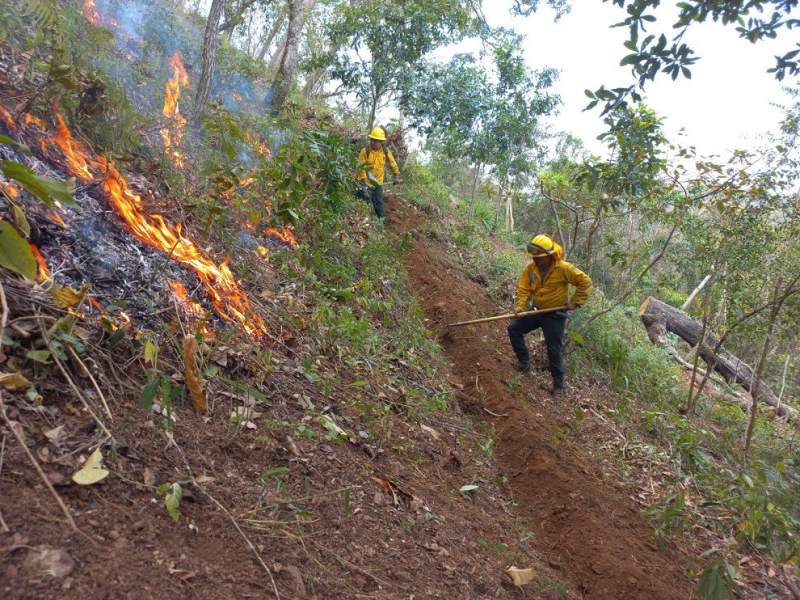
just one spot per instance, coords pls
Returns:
(90, 12)
(29, 119)
(172, 136)
(193, 309)
(11, 189)
(227, 297)
(286, 235)
(6, 116)
(74, 152)
(42, 272)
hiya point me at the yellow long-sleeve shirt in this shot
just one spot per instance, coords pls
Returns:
(554, 289)
(375, 161)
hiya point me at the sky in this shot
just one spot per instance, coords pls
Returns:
(728, 103)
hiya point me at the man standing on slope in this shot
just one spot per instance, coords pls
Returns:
(373, 168)
(546, 281)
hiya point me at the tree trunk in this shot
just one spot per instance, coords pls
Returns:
(284, 74)
(696, 291)
(298, 10)
(210, 42)
(762, 362)
(509, 211)
(277, 24)
(314, 78)
(376, 95)
(659, 317)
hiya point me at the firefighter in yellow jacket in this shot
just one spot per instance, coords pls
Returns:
(373, 160)
(545, 284)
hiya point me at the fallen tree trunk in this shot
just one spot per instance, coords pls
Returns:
(659, 317)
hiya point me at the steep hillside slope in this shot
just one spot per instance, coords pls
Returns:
(592, 532)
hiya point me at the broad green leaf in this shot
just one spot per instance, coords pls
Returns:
(40, 356)
(172, 501)
(717, 581)
(46, 189)
(15, 254)
(148, 393)
(150, 352)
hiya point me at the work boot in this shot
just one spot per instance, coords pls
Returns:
(557, 392)
(523, 367)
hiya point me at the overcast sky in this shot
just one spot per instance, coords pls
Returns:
(728, 103)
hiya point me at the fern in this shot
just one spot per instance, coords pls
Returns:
(45, 13)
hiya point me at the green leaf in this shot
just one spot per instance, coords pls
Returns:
(4, 139)
(630, 59)
(717, 581)
(273, 472)
(172, 501)
(149, 392)
(150, 352)
(15, 254)
(20, 221)
(40, 356)
(334, 431)
(577, 338)
(46, 189)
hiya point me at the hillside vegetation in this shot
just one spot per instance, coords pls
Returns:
(221, 375)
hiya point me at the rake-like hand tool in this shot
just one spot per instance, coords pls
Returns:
(540, 311)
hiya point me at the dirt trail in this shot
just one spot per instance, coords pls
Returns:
(593, 534)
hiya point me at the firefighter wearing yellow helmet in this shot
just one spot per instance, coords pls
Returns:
(545, 284)
(373, 161)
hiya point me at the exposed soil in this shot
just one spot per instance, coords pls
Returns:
(591, 532)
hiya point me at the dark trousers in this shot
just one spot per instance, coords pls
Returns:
(553, 326)
(374, 195)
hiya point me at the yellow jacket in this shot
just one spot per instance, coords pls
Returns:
(554, 290)
(376, 165)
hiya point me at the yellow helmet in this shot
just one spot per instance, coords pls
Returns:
(541, 245)
(377, 133)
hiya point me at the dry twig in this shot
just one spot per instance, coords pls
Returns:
(74, 387)
(243, 534)
(83, 366)
(36, 466)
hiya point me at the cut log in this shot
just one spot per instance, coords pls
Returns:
(659, 318)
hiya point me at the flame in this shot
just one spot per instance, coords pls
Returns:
(42, 272)
(286, 235)
(227, 297)
(29, 119)
(193, 309)
(55, 217)
(10, 188)
(90, 12)
(96, 304)
(6, 116)
(172, 136)
(74, 152)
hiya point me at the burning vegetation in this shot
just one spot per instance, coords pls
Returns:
(172, 135)
(228, 298)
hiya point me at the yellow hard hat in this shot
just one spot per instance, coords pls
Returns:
(377, 133)
(541, 245)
